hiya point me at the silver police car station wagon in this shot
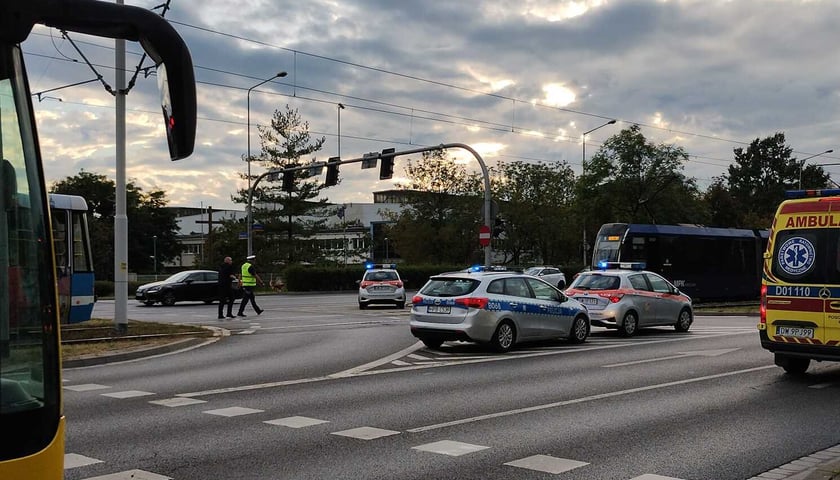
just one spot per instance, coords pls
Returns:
(496, 308)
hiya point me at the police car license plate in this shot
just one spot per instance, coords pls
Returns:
(382, 288)
(438, 309)
(797, 332)
(588, 301)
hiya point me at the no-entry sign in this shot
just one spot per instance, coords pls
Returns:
(484, 236)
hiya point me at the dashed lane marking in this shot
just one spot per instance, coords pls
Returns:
(650, 476)
(232, 411)
(131, 475)
(177, 402)
(86, 387)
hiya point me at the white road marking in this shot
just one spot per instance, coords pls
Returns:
(87, 387)
(246, 332)
(74, 460)
(335, 324)
(650, 476)
(547, 464)
(296, 422)
(821, 385)
(699, 353)
(400, 363)
(177, 402)
(232, 411)
(450, 447)
(127, 394)
(381, 361)
(366, 433)
(131, 475)
(590, 398)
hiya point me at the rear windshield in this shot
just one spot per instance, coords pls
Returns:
(449, 287)
(807, 256)
(381, 276)
(596, 281)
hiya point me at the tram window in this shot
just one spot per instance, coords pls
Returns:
(81, 260)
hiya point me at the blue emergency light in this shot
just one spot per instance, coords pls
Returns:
(812, 193)
(371, 265)
(604, 265)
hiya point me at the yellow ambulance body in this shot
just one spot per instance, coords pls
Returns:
(800, 289)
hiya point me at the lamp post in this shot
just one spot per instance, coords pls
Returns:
(386, 249)
(340, 108)
(154, 252)
(583, 171)
(248, 225)
(802, 164)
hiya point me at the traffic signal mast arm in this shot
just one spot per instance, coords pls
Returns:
(388, 155)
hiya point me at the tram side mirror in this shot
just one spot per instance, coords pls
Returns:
(8, 182)
(159, 39)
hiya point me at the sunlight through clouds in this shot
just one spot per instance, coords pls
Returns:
(557, 95)
(554, 11)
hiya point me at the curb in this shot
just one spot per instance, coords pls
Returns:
(174, 346)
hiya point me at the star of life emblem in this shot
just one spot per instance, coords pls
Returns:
(796, 256)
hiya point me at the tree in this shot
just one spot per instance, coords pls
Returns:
(535, 203)
(760, 175)
(147, 217)
(632, 180)
(442, 212)
(287, 217)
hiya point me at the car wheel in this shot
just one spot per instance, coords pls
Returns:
(401, 305)
(683, 321)
(580, 330)
(793, 365)
(504, 337)
(629, 324)
(168, 299)
(432, 343)
(362, 306)
(148, 303)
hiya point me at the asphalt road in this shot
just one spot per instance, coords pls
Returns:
(314, 388)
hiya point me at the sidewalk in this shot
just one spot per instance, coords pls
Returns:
(822, 465)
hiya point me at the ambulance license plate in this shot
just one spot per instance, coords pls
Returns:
(438, 309)
(797, 332)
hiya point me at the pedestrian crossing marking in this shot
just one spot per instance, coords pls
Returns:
(365, 433)
(74, 460)
(450, 447)
(296, 422)
(232, 411)
(127, 394)
(87, 387)
(547, 464)
(177, 402)
(131, 475)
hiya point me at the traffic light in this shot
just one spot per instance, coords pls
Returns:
(332, 171)
(288, 181)
(386, 168)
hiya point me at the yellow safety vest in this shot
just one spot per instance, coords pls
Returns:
(248, 280)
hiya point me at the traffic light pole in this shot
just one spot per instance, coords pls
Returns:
(388, 153)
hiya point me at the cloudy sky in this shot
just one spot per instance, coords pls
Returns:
(518, 81)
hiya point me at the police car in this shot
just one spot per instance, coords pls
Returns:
(624, 297)
(381, 284)
(494, 307)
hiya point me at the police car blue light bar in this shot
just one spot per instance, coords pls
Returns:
(812, 193)
(371, 265)
(604, 265)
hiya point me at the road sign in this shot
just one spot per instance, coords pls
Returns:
(484, 236)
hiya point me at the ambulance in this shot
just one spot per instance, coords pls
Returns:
(800, 289)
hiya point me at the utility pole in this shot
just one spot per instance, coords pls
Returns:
(120, 217)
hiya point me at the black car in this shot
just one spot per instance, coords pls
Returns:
(189, 285)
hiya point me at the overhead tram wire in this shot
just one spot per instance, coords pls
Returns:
(464, 121)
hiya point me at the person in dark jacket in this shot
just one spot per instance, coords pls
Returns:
(227, 295)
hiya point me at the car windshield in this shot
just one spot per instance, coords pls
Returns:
(449, 287)
(596, 281)
(178, 277)
(533, 271)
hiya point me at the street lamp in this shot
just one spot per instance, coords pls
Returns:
(802, 164)
(386, 249)
(340, 108)
(248, 226)
(154, 250)
(583, 172)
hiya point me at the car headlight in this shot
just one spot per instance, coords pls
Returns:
(153, 289)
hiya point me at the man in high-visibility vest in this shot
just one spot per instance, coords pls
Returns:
(249, 278)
